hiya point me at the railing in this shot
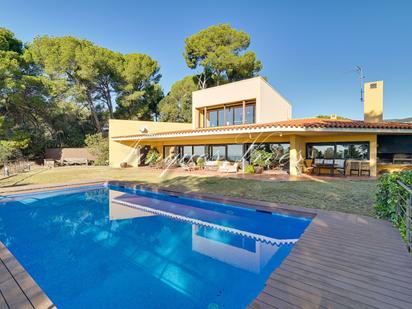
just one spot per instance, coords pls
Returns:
(14, 167)
(404, 212)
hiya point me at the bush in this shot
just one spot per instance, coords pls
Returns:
(261, 158)
(249, 169)
(200, 162)
(152, 156)
(99, 147)
(387, 196)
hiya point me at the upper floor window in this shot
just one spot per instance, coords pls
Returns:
(230, 115)
(250, 113)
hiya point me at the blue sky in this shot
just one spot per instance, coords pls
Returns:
(307, 48)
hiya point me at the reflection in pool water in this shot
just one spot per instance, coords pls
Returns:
(86, 248)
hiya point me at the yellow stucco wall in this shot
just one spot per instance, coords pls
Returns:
(127, 151)
(373, 105)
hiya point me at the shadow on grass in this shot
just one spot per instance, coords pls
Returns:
(20, 181)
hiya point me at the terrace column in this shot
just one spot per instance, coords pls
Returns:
(205, 117)
(373, 154)
(296, 155)
(244, 112)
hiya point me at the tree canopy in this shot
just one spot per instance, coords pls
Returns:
(176, 106)
(56, 91)
(220, 51)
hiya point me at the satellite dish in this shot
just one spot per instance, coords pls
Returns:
(143, 129)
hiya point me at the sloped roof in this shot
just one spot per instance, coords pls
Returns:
(304, 123)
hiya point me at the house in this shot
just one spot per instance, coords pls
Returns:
(232, 120)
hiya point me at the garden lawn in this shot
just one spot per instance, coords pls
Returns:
(350, 196)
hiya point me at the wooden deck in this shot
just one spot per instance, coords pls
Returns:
(17, 289)
(341, 261)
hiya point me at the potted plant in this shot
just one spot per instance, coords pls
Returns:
(249, 169)
(152, 157)
(200, 162)
(260, 159)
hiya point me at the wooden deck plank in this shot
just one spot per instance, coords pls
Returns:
(337, 259)
(356, 284)
(275, 301)
(34, 293)
(331, 299)
(25, 291)
(3, 304)
(11, 291)
(386, 283)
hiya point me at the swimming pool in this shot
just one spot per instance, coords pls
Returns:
(112, 247)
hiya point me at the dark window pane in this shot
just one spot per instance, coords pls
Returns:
(229, 116)
(218, 152)
(234, 152)
(250, 114)
(238, 115)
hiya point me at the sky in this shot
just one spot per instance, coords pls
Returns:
(309, 49)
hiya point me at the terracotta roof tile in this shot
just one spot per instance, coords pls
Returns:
(308, 123)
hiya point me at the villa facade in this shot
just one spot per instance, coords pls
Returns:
(232, 120)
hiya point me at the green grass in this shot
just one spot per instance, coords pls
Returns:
(350, 196)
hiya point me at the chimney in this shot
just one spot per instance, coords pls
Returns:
(373, 101)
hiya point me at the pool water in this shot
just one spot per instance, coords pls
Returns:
(110, 247)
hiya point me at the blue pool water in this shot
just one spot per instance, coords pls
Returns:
(110, 247)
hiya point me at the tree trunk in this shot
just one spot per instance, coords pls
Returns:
(93, 111)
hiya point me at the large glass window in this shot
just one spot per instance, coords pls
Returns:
(234, 152)
(199, 151)
(221, 117)
(322, 151)
(358, 151)
(250, 114)
(213, 119)
(218, 152)
(238, 118)
(229, 116)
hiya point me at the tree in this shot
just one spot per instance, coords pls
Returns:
(63, 60)
(99, 147)
(177, 105)
(139, 89)
(8, 42)
(23, 97)
(220, 51)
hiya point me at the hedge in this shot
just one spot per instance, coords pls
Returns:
(388, 194)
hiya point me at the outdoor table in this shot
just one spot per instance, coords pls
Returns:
(331, 168)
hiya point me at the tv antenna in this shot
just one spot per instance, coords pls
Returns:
(359, 70)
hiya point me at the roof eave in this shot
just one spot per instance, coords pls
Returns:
(263, 130)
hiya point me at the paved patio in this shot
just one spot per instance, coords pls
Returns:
(341, 261)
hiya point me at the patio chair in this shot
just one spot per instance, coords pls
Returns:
(365, 168)
(308, 166)
(340, 166)
(354, 166)
(228, 167)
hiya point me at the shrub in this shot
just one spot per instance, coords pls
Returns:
(99, 147)
(261, 158)
(249, 169)
(200, 162)
(387, 196)
(152, 156)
